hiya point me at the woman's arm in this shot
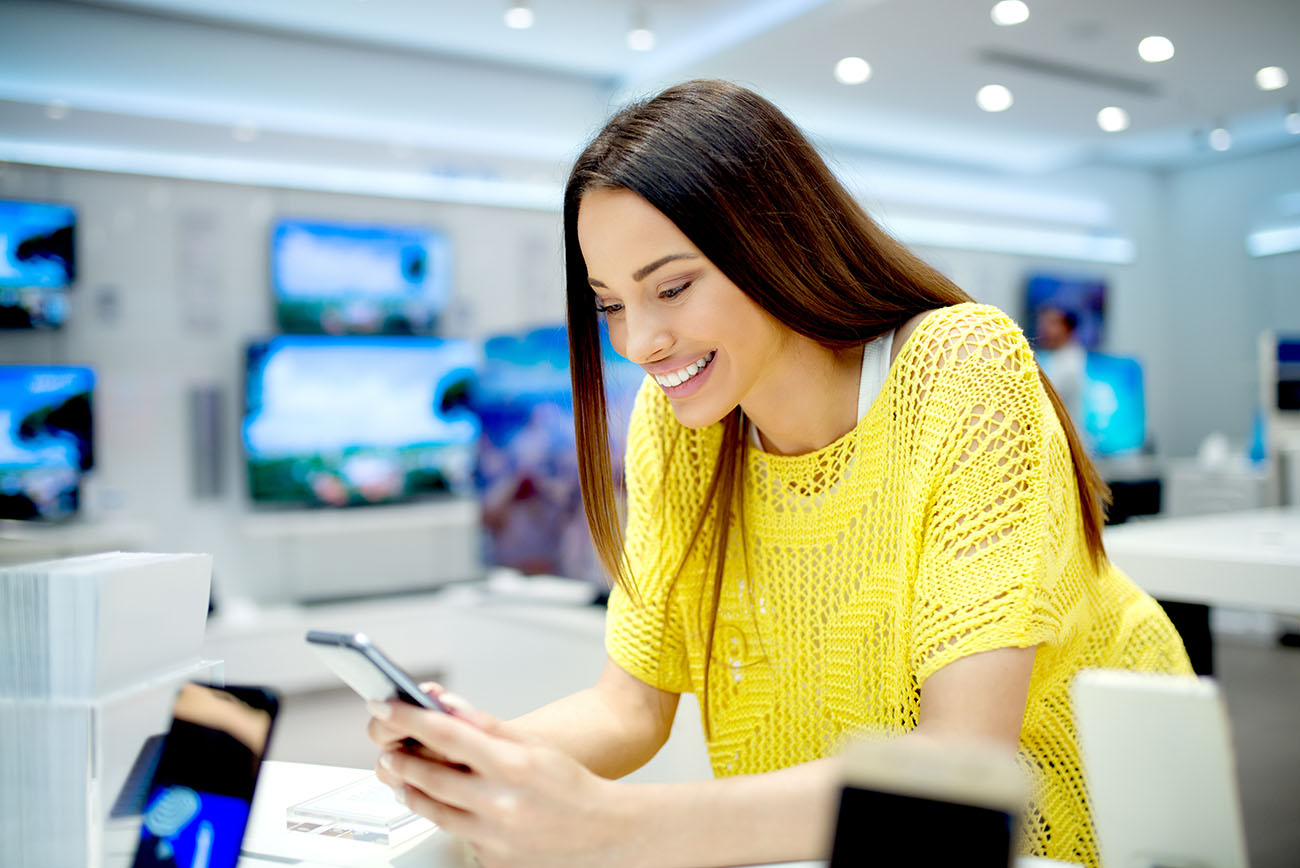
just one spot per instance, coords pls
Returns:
(521, 803)
(613, 728)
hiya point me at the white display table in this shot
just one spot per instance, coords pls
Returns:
(268, 842)
(1246, 560)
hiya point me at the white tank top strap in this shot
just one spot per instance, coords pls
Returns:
(875, 367)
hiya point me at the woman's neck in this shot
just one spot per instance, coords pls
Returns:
(808, 398)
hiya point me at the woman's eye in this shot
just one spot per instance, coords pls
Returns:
(675, 291)
(608, 309)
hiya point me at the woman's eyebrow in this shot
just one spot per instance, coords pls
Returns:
(644, 271)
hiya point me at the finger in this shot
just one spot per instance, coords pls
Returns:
(454, 821)
(451, 787)
(459, 740)
(382, 734)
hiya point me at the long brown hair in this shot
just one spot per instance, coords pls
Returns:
(740, 180)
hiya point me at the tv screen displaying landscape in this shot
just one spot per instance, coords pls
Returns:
(528, 472)
(37, 263)
(354, 421)
(339, 278)
(46, 441)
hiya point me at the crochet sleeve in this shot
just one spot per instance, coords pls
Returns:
(997, 491)
(643, 629)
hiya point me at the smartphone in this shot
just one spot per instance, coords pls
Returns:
(202, 790)
(367, 670)
(928, 805)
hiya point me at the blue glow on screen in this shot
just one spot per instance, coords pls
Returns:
(191, 829)
(343, 278)
(45, 439)
(37, 241)
(1114, 405)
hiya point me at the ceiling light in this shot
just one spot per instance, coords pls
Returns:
(1292, 122)
(1271, 78)
(1220, 138)
(640, 39)
(994, 98)
(852, 70)
(1010, 12)
(244, 131)
(56, 110)
(1155, 49)
(639, 36)
(519, 16)
(1112, 119)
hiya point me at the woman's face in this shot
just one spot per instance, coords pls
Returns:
(672, 311)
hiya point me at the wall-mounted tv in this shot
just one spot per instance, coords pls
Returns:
(46, 441)
(528, 473)
(1080, 298)
(1114, 405)
(353, 421)
(351, 278)
(37, 263)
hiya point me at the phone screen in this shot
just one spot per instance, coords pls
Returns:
(199, 801)
(878, 828)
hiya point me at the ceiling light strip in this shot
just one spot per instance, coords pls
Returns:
(1270, 242)
(530, 196)
(1086, 247)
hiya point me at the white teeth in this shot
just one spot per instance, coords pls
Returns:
(676, 378)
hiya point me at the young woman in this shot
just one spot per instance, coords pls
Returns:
(854, 504)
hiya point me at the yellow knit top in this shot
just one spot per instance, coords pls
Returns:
(947, 522)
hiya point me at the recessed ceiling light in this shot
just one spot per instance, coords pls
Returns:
(1112, 119)
(519, 16)
(852, 70)
(1155, 49)
(1292, 123)
(994, 98)
(244, 131)
(1271, 78)
(1010, 12)
(1220, 139)
(640, 39)
(56, 110)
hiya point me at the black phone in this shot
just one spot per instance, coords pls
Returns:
(929, 805)
(202, 790)
(367, 670)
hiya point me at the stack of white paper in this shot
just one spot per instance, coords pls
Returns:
(91, 652)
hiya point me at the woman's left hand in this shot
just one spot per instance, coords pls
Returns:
(513, 802)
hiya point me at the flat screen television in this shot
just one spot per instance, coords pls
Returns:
(528, 472)
(354, 421)
(1082, 298)
(37, 263)
(1114, 405)
(46, 441)
(351, 278)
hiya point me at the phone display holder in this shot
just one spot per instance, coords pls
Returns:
(363, 810)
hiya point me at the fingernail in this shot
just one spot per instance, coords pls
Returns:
(381, 710)
(426, 686)
(399, 793)
(386, 760)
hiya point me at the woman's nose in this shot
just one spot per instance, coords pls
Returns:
(648, 338)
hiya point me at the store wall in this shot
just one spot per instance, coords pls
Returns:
(174, 282)
(1219, 298)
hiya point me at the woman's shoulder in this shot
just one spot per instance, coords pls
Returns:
(968, 334)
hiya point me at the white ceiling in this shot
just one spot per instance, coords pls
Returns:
(448, 78)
